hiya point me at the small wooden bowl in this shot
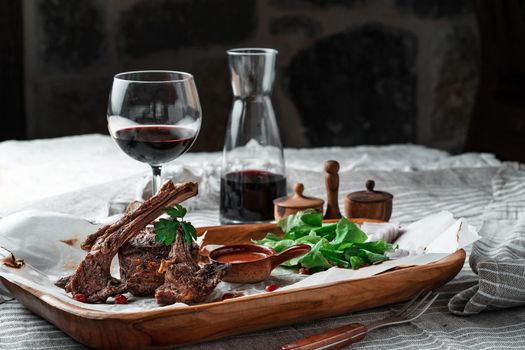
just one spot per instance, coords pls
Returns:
(256, 270)
(369, 204)
(290, 205)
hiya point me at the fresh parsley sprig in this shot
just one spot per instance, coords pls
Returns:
(166, 229)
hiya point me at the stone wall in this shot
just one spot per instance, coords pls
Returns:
(11, 71)
(349, 72)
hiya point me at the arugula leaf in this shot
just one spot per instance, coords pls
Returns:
(298, 232)
(348, 232)
(289, 222)
(326, 231)
(379, 247)
(310, 239)
(350, 251)
(368, 256)
(269, 241)
(357, 262)
(334, 256)
(292, 262)
(336, 261)
(282, 245)
(304, 222)
(308, 217)
(372, 258)
(272, 237)
(315, 258)
(314, 218)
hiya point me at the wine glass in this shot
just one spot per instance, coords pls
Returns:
(154, 116)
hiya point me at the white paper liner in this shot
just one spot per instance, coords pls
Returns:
(49, 243)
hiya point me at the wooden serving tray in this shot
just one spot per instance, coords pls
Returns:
(162, 327)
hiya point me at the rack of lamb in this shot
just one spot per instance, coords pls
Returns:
(93, 279)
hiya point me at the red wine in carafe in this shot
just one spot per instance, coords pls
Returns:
(154, 144)
(247, 196)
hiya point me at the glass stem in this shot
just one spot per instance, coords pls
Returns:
(156, 180)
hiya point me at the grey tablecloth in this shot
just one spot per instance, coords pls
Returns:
(499, 257)
(464, 191)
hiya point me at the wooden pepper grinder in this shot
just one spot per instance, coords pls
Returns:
(331, 167)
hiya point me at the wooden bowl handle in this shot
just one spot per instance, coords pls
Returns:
(342, 336)
(290, 253)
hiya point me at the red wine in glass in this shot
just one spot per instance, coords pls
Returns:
(155, 144)
(154, 116)
(247, 196)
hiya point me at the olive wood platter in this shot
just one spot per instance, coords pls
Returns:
(163, 327)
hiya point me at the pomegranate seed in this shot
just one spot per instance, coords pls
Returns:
(231, 295)
(120, 299)
(80, 297)
(271, 287)
(228, 296)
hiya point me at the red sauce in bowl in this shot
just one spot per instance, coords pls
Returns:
(240, 257)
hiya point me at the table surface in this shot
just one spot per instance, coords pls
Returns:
(88, 176)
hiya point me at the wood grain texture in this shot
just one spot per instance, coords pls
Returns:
(369, 203)
(347, 334)
(176, 326)
(380, 210)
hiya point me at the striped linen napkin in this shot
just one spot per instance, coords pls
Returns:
(499, 257)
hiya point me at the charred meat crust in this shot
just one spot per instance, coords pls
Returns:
(184, 280)
(92, 277)
(139, 261)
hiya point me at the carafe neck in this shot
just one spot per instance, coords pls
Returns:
(252, 71)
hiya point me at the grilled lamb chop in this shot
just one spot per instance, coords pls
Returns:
(184, 280)
(140, 259)
(92, 277)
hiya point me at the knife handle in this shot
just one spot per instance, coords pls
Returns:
(332, 339)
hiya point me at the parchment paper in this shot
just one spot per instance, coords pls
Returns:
(49, 243)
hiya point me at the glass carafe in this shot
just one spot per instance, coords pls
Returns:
(253, 172)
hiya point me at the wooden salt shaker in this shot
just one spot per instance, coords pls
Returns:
(369, 204)
(289, 205)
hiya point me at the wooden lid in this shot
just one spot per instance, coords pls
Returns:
(369, 196)
(298, 200)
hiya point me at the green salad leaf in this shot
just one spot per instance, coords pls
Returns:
(348, 232)
(357, 262)
(378, 247)
(309, 217)
(340, 244)
(315, 257)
